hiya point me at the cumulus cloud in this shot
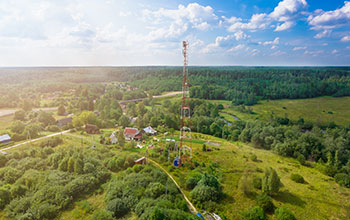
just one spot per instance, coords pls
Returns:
(325, 33)
(345, 39)
(330, 19)
(274, 42)
(284, 14)
(181, 19)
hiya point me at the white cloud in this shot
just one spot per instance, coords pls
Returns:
(325, 33)
(273, 47)
(287, 11)
(334, 51)
(345, 39)
(285, 14)
(313, 53)
(240, 35)
(278, 53)
(299, 48)
(276, 41)
(330, 19)
(194, 15)
(236, 48)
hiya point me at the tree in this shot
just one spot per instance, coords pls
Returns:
(71, 163)
(121, 138)
(17, 127)
(46, 118)
(265, 202)
(27, 105)
(117, 207)
(270, 182)
(124, 121)
(79, 166)
(284, 214)
(157, 214)
(61, 110)
(255, 213)
(20, 115)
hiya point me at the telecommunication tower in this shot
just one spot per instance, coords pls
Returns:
(185, 151)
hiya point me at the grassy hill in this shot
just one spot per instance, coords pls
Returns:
(320, 192)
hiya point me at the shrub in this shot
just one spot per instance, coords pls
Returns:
(284, 214)
(244, 185)
(117, 207)
(257, 182)
(53, 128)
(203, 193)
(253, 157)
(255, 213)
(301, 159)
(265, 202)
(154, 190)
(101, 214)
(342, 179)
(297, 178)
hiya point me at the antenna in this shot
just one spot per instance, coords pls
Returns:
(185, 130)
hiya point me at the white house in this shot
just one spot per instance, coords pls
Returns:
(150, 131)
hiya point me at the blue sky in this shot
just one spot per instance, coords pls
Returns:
(144, 32)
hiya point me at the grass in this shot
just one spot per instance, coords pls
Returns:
(5, 123)
(321, 193)
(322, 110)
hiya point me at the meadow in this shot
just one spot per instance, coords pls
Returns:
(320, 192)
(321, 110)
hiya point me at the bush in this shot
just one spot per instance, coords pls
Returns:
(297, 178)
(284, 214)
(154, 190)
(342, 179)
(117, 207)
(53, 128)
(265, 202)
(253, 157)
(101, 214)
(255, 213)
(301, 159)
(257, 182)
(203, 193)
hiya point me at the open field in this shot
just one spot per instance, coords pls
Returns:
(320, 193)
(322, 110)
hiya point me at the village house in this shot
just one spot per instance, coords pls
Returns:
(64, 121)
(141, 160)
(150, 131)
(130, 133)
(91, 129)
(5, 138)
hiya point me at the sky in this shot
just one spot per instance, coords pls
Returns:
(146, 32)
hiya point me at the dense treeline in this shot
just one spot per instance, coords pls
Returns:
(248, 85)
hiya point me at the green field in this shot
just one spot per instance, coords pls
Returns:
(320, 193)
(322, 110)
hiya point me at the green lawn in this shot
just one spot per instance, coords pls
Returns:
(322, 110)
(320, 193)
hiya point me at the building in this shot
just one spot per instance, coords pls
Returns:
(138, 136)
(64, 121)
(141, 160)
(92, 129)
(150, 131)
(130, 133)
(5, 138)
(114, 138)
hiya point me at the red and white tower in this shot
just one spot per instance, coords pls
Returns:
(185, 150)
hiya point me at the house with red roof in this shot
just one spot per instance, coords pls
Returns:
(130, 133)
